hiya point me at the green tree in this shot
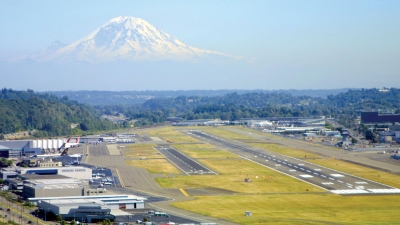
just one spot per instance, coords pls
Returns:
(106, 222)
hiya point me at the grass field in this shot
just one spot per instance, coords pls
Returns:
(295, 153)
(141, 150)
(299, 209)
(198, 151)
(154, 165)
(171, 135)
(273, 198)
(231, 171)
(220, 131)
(154, 162)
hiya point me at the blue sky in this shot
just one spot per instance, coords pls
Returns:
(303, 40)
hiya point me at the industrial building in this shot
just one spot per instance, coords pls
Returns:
(36, 186)
(77, 172)
(17, 149)
(376, 118)
(90, 209)
(202, 122)
(8, 173)
(295, 121)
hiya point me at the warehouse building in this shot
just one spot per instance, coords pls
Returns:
(36, 186)
(90, 209)
(17, 149)
(77, 172)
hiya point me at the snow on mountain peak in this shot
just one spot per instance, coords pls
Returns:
(127, 38)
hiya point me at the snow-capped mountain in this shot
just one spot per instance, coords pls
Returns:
(126, 38)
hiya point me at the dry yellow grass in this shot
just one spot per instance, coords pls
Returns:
(299, 209)
(170, 134)
(154, 165)
(231, 175)
(141, 150)
(223, 132)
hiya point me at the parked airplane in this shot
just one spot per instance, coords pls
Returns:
(72, 145)
(63, 153)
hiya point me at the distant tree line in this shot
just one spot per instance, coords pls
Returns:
(232, 106)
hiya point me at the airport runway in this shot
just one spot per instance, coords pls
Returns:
(182, 162)
(334, 181)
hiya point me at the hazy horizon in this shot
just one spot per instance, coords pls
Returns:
(283, 45)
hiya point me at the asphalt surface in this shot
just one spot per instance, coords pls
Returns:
(183, 162)
(334, 181)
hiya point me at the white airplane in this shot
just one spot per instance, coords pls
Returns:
(72, 145)
(63, 153)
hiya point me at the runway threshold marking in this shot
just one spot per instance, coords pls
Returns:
(119, 178)
(184, 192)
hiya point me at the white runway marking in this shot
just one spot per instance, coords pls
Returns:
(349, 191)
(384, 190)
(337, 175)
(306, 176)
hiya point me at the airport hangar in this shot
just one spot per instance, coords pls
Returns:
(56, 181)
(77, 172)
(17, 149)
(90, 209)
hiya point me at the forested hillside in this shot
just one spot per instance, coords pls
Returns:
(51, 116)
(26, 110)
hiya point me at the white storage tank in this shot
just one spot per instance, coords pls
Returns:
(44, 146)
(55, 142)
(34, 143)
(59, 143)
(40, 144)
(49, 144)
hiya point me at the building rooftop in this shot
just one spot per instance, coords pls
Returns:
(15, 145)
(43, 177)
(101, 197)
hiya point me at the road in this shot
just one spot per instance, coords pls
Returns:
(331, 180)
